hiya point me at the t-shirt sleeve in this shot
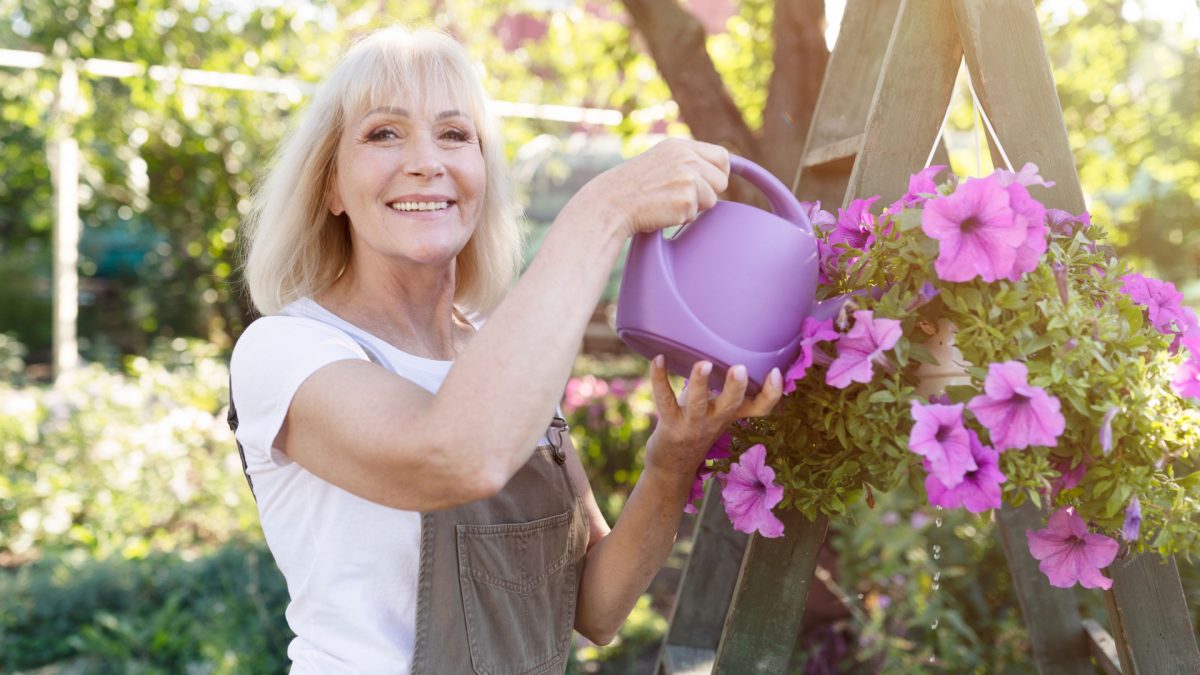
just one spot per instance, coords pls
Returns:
(273, 357)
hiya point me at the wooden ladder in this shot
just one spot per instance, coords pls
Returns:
(887, 88)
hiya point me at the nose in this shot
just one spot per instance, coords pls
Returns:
(422, 158)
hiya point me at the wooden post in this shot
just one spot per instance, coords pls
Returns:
(768, 605)
(1002, 43)
(914, 91)
(702, 600)
(64, 171)
(836, 131)
(1149, 617)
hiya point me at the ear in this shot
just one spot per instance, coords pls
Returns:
(333, 198)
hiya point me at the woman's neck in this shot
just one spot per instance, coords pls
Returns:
(412, 311)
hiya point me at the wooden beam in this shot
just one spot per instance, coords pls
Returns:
(1149, 617)
(768, 605)
(702, 600)
(910, 101)
(1011, 73)
(1102, 647)
(845, 149)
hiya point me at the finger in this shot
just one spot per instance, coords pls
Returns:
(714, 155)
(765, 401)
(706, 195)
(713, 176)
(664, 396)
(734, 393)
(696, 405)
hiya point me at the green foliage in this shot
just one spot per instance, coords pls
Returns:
(122, 463)
(610, 415)
(167, 613)
(1125, 74)
(922, 583)
(1088, 345)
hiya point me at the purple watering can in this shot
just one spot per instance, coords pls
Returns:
(732, 287)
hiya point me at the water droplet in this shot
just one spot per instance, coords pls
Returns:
(931, 658)
(938, 521)
(937, 576)
(934, 625)
(860, 596)
(936, 585)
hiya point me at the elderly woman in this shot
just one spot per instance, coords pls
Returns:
(396, 399)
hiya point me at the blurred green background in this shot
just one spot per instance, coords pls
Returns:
(128, 540)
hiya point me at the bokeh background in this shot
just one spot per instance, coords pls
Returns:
(128, 539)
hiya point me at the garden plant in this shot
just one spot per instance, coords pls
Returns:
(988, 350)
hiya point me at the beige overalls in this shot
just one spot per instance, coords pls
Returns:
(499, 577)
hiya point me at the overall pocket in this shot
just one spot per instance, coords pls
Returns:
(518, 590)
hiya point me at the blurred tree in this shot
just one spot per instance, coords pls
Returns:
(1126, 72)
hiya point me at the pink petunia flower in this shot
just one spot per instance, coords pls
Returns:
(820, 219)
(720, 449)
(749, 493)
(1187, 376)
(1030, 214)
(939, 436)
(1164, 305)
(1026, 177)
(1015, 413)
(1133, 520)
(812, 332)
(1063, 224)
(979, 489)
(920, 185)
(1068, 477)
(1069, 553)
(977, 231)
(855, 225)
(862, 346)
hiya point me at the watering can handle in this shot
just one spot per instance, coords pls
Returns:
(782, 202)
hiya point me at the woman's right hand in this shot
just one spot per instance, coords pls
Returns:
(669, 184)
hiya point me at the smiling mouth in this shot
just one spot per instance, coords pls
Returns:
(420, 206)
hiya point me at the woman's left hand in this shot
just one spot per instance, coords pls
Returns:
(690, 423)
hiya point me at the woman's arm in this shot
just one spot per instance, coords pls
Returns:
(387, 440)
(621, 563)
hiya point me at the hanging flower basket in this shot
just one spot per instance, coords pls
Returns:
(991, 350)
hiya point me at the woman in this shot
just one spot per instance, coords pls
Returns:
(424, 515)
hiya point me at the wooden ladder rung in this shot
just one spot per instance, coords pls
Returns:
(681, 660)
(844, 150)
(1102, 647)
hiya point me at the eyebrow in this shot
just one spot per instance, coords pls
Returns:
(403, 112)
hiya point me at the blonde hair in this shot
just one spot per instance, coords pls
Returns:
(296, 247)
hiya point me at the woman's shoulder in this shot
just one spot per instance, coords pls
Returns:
(278, 335)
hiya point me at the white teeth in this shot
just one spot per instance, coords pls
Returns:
(420, 206)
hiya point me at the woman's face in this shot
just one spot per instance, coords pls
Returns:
(411, 179)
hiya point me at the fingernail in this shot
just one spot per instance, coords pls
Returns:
(658, 361)
(739, 373)
(705, 368)
(775, 378)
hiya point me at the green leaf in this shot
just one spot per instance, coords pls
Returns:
(882, 396)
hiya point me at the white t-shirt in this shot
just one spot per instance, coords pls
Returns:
(351, 565)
